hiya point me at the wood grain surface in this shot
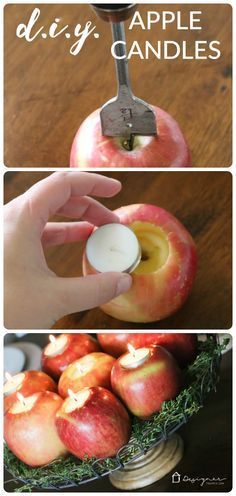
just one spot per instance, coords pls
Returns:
(202, 202)
(48, 92)
(207, 440)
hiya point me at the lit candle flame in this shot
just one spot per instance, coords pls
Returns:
(52, 339)
(21, 398)
(8, 376)
(72, 395)
(131, 349)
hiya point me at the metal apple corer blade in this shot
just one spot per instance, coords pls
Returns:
(125, 115)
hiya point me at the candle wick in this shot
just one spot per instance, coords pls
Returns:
(21, 398)
(113, 248)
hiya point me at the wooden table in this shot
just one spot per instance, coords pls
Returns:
(202, 202)
(48, 92)
(207, 442)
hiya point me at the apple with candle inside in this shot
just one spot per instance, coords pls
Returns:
(64, 349)
(90, 149)
(93, 423)
(144, 378)
(183, 346)
(30, 431)
(91, 370)
(26, 383)
(164, 277)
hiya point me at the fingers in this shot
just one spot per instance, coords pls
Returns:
(86, 208)
(82, 293)
(58, 233)
(48, 196)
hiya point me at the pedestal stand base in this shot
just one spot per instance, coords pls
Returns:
(151, 467)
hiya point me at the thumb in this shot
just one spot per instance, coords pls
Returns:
(82, 293)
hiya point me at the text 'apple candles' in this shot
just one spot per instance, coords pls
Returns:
(113, 247)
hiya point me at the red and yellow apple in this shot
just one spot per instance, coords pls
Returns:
(30, 431)
(93, 423)
(144, 387)
(31, 381)
(91, 370)
(90, 149)
(163, 279)
(77, 345)
(182, 346)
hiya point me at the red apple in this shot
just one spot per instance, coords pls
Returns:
(163, 279)
(91, 370)
(114, 343)
(167, 149)
(33, 381)
(144, 388)
(94, 424)
(182, 346)
(78, 346)
(30, 431)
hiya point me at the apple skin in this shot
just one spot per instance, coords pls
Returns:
(98, 429)
(158, 294)
(78, 346)
(90, 149)
(97, 368)
(34, 382)
(144, 389)
(183, 346)
(32, 435)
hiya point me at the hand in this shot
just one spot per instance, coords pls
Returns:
(34, 296)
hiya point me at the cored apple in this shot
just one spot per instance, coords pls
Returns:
(30, 381)
(93, 423)
(163, 279)
(182, 346)
(91, 370)
(144, 384)
(77, 346)
(30, 431)
(167, 149)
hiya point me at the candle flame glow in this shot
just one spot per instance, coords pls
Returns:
(72, 395)
(21, 398)
(8, 376)
(52, 339)
(131, 349)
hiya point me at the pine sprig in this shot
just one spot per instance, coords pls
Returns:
(201, 378)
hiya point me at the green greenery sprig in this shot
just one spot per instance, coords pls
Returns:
(201, 378)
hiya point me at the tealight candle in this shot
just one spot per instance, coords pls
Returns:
(24, 404)
(76, 400)
(56, 345)
(113, 247)
(13, 382)
(135, 357)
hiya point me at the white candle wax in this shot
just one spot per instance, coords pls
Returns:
(134, 358)
(12, 383)
(56, 345)
(113, 247)
(23, 404)
(76, 400)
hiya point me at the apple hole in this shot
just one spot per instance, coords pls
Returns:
(133, 144)
(144, 256)
(154, 247)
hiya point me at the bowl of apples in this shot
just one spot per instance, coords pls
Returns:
(115, 405)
